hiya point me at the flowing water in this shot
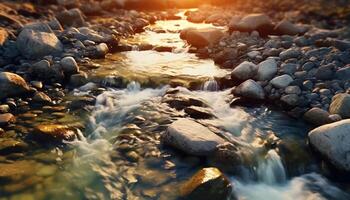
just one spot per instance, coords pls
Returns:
(119, 156)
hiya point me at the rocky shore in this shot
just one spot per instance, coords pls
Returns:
(290, 60)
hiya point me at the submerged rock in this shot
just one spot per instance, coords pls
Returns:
(55, 131)
(12, 85)
(341, 105)
(332, 141)
(207, 184)
(191, 138)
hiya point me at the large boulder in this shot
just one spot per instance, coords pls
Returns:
(266, 70)
(250, 89)
(73, 17)
(244, 71)
(202, 37)
(207, 184)
(34, 44)
(252, 22)
(12, 85)
(333, 142)
(340, 105)
(191, 138)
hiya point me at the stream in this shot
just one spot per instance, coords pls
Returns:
(100, 165)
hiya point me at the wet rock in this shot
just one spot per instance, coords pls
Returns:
(250, 89)
(4, 108)
(77, 80)
(180, 102)
(81, 102)
(207, 184)
(290, 53)
(191, 138)
(3, 36)
(73, 17)
(139, 24)
(266, 70)
(252, 22)
(343, 73)
(282, 81)
(34, 44)
(202, 37)
(6, 119)
(101, 50)
(285, 27)
(69, 65)
(198, 112)
(325, 72)
(332, 141)
(290, 99)
(341, 105)
(12, 85)
(244, 71)
(21, 169)
(54, 132)
(317, 116)
(9, 145)
(42, 98)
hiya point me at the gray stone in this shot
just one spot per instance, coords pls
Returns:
(266, 70)
(282, 81)
(290, 53)
(244, 71)
(250, 89)
(73, 17)
(252, 22)
(202, 37)
(191, 138)
(325, 72)
(290, 99)
(341, 105)
(289, 68)
(343, 73)
(38, 27)
(333, 142)
(69, 65)
(292, 90)
(33, 44)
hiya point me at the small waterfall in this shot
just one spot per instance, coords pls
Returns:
(210, 85)
(133, 86)
(271, 170)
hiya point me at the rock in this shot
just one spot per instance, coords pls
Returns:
(317, 116)
(325, 72)
(252, 22)
(55, 24)
(42, 98)
(10, 145)
(207, 184)
(282, 81)
(4, 108)
(202, 37)
(290, 99)
(38, 27)
(343, 73)
(341, 105)
(33, 44)
(55, 132)
(101, 50)
(244, 71)
(191, 137)
(6, 119)
(290, 53)
(73, 17)
(198, 112)
(250, 89)
(332, 141)
(266, 70)
(292, 90)
(79, 79)
(285, 27)
(41, 69)
(12, 85)
(69, 65)
(289, 68)
(3, 36)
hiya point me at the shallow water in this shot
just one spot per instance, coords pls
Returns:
(97, 166)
